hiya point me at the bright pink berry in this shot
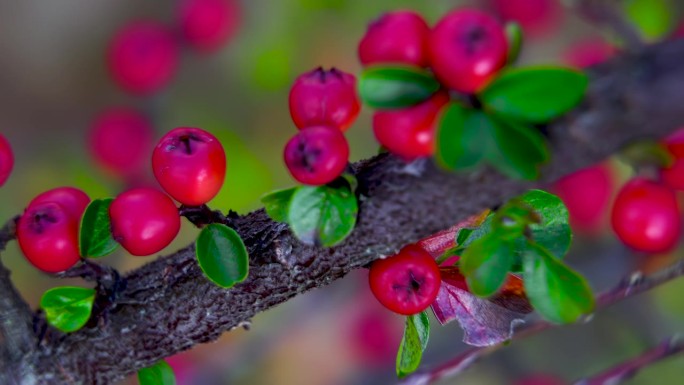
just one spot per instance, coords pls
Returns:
(317, 155)
(144, 220)
(586, 193)
(6, 160)
(190, 165)
(324, 97)
(587, 53)
(208, 24)
(406, 283)
(646, 216)
(673, 176)
(410, 132)
(74, 201)
(142, 57)
(396, 37)
(48, 237)
(467, 48)
(537, 17)
(120, 140)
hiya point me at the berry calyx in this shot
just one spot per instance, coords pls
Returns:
(466, 49)
(586, 193)
(324, 97)
(48, 237)
(396, 37)
(6, 160)
(142, 57)
(190, 165)
(646, 216)
(317, 155)
(74, 201)
(208, 24)
(410, 132)
(405, 283)
(120, 140)
(144, 221)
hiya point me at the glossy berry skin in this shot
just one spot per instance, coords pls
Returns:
(324, 97)
(208, 24)
(142, 57)
(586, 193)
(467, 48)
(6, 160)
(190, 165)
(74, 201)
(317, 155)
(144, 221)
(48, 237)
(410, 132)
(673, 176)
(537, 17)
(396, 37)
(406, 283)
(646, 216)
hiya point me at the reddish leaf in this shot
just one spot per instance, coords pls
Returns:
(436, 244)
(485, 322)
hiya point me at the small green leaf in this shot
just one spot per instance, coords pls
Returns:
(557, 292)
(95, 236)
(160, 373)
(553, 232)
(535, 94)
(465, 237)
(351, 181)
(222, 255)
(463, 137)
(519, 150)
(396, 87)
(68, 308)
(277, 202)
(514, 35)
(486, 264)
(322, 215)
(654, 18)
(413, 344)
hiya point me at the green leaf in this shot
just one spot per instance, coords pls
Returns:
(222, 255)
(465, 237)
(519, 150)
(351, 181)
(396, 87)
(514, 35)
(95, 236)
(535, 94)
(322, 215)
(68, 308)
(486, 264)
(160, 373)
(277, 202)
(463, 137)
(413, 344)
(654, 18)
(554, 232)
(557, 292)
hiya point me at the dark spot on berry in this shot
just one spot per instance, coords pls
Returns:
(474, 39)
(42, 219)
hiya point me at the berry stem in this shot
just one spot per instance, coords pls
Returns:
(201, 216)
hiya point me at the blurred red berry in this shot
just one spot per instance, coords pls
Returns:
(396, 37)
(586, 193)
(673, 176)
(142, 57)
(208, 24)
(6, 160)
(537, 17)
(74, 201)
(587, 53)
(317, 155)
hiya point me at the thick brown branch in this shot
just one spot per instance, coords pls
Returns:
(168, 306)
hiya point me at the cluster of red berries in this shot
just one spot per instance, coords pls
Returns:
(465, 50)
(189, 164)
(323, 104)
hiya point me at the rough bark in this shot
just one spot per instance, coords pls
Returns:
(168, 306)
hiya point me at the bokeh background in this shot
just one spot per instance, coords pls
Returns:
(54, 82)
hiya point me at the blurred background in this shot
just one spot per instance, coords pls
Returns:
(54, 84)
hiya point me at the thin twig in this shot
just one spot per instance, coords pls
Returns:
(628, 369)
(606, 13)
(629, 287)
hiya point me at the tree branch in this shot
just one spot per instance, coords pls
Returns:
(628, 369)
(629, 287)
(168, 306)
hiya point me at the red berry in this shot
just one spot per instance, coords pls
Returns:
(675, 143)
(410, 132)
(144, 220)
(208, 24)
(587, 53)
(72, 200)
(586, 193)
(537, 17)
(317, 155)
(673, 176)
(142, 57)
(190, 165)
(120, 140)
(646, 216)
(467, 48)
(48, 237)
(321, 97)
(6, 160)
(396, 37)
(406, 283)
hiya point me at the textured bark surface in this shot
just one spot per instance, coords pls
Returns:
(168, 306)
